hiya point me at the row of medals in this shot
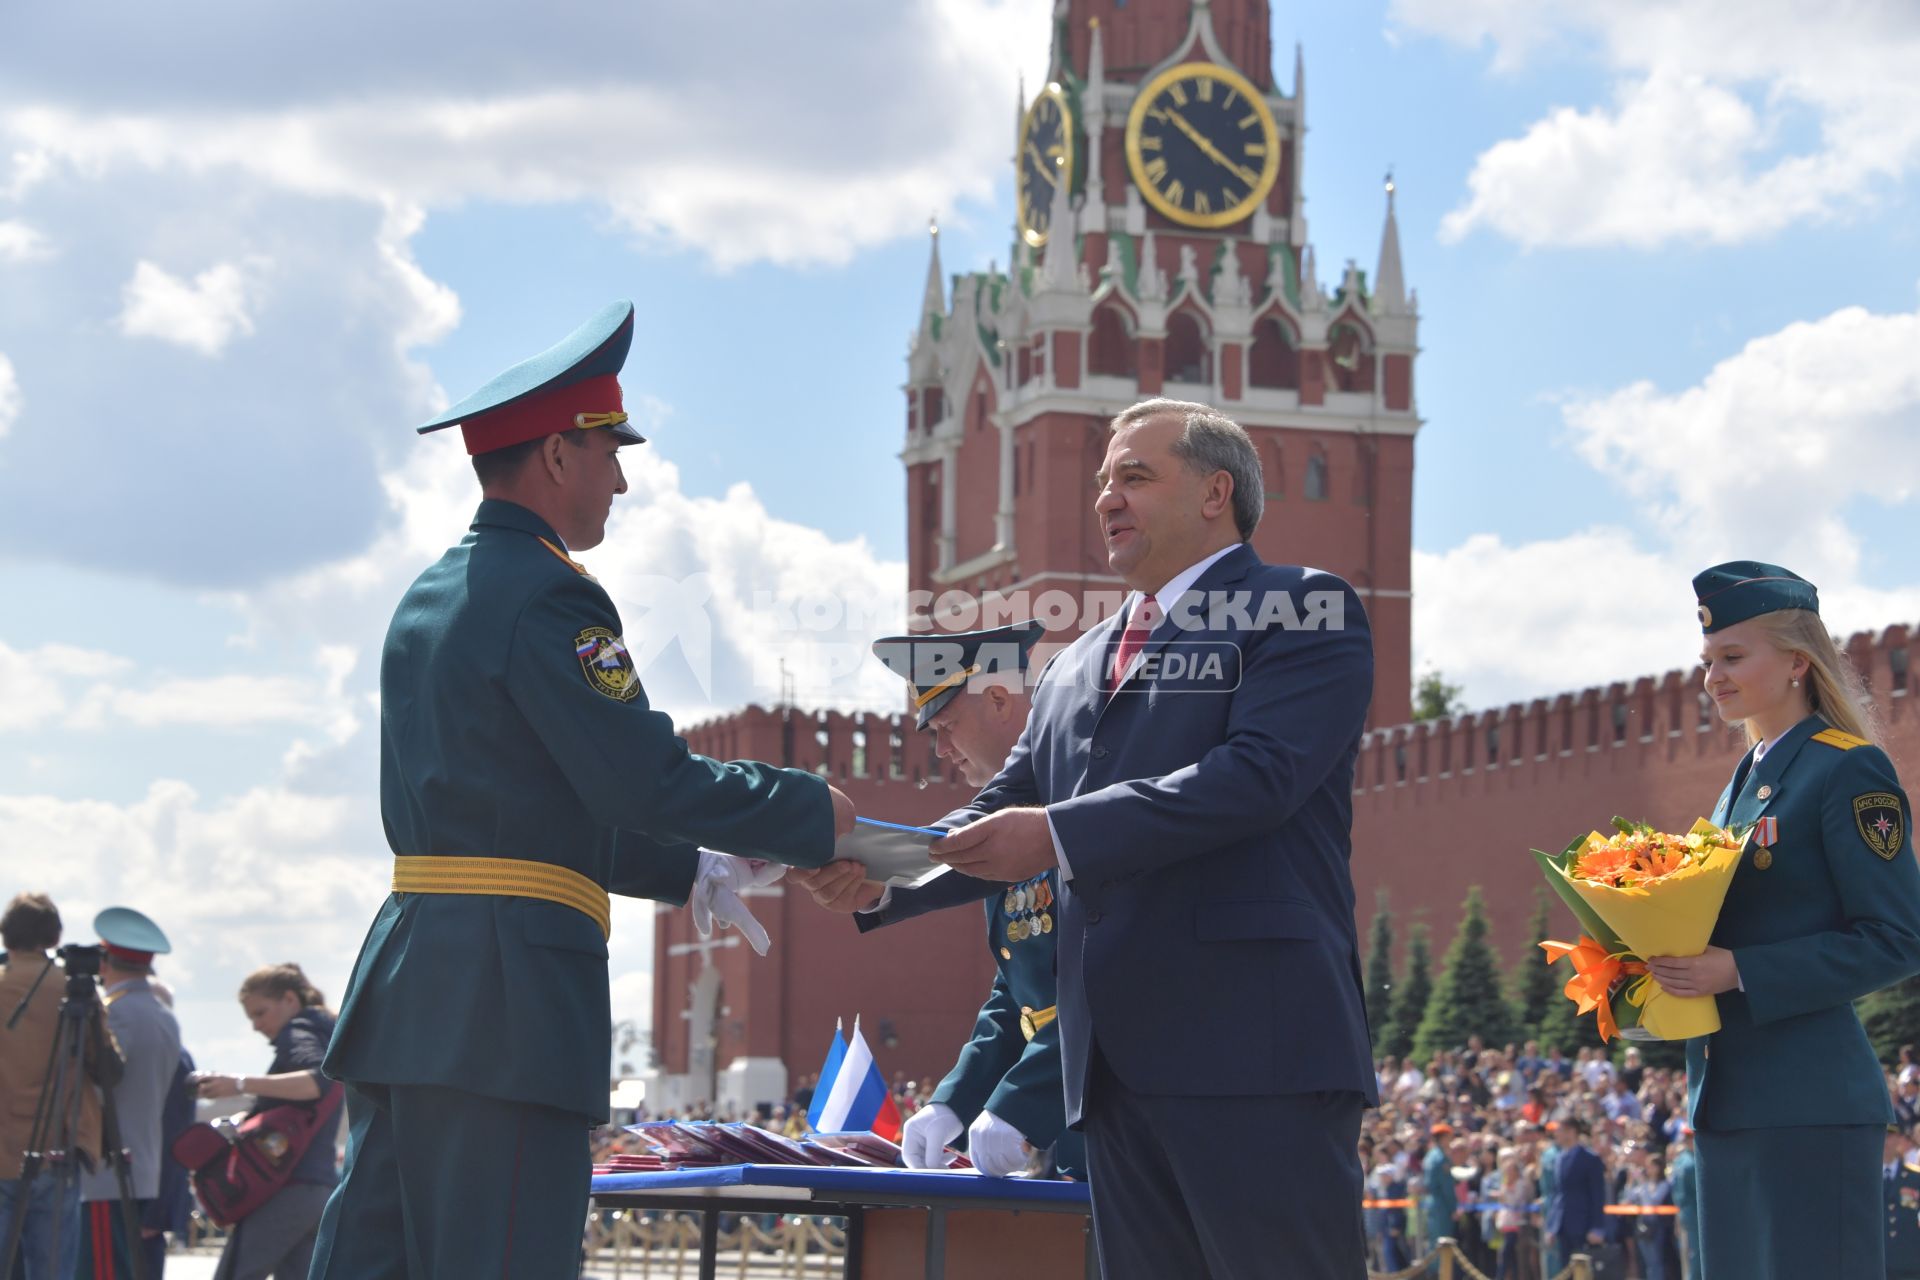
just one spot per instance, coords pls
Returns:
(1029, 905)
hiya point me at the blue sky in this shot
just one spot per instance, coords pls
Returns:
(1666, 258)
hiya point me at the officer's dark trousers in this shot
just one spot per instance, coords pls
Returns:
(441, 1184)
(1224, 1188)
(1782, 1204)
(105, 1250)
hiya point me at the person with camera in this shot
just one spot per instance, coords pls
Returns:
(276, 1239)
(49, 1208)
(149, 1039)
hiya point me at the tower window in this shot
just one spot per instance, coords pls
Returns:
(1350, 358)
(1274, 360)
(1110, 348)
(1315, 487)
(1189, 358)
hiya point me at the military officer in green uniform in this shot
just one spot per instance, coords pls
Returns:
(1900, 1189)
(1824, 907)
(1005, 1093)
(523, 778)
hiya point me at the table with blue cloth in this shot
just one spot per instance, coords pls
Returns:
(901, 1223)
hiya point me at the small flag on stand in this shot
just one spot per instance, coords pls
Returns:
(851, 1093)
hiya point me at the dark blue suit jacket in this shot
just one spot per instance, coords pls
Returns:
(1579, 1202)
(1206, 934)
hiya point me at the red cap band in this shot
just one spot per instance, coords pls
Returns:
(543, 413)
(131, 957)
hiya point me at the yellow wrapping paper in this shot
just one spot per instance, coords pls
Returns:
(1673, 917)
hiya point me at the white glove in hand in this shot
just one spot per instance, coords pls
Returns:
(927, 1133)
(716, 894)
(996, 1147)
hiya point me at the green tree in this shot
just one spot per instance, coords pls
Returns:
(1410, 1001)
(1535, 984)
(1380, 972)
(1892, 1017)
(1469, 999)
(1435, 699)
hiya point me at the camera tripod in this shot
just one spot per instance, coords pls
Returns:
(51, 1143)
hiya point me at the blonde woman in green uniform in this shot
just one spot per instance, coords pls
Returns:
(1787, 1100)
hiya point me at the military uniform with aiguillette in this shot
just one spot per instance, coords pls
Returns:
(523, 778)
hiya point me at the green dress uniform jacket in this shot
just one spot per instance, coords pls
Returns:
(1000, 1069)
(1823, 916)
(1902, 1195)
(1788, 1096)
(514, 726)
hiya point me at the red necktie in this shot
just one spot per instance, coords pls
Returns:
(1140, 625)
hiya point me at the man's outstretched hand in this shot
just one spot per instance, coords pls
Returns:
(1011, 845)
(840, 886)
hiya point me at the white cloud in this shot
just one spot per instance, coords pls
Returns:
(204, 315)
(268, 875)
(22, 243)
(1766, 458)
(1703, 139)
(1774, 448)
(34, 682)
(1515, 621)
(11, 401)
(765, 141)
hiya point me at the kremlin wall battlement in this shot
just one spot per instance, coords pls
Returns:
(1438, 805)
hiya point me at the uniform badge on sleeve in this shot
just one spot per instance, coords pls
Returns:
(1882, 821)
(607, 664)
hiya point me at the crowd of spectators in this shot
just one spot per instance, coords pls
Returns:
(1475, 1141)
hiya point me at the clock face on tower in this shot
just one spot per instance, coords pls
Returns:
(1201, 145)
(1046, 158)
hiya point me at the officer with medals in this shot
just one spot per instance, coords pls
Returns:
(1900, 1185)
(523, 778)
(1005, 1093)
(1823, 908)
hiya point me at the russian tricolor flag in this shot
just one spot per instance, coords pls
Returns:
(852, 1094)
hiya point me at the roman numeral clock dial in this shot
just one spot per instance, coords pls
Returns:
(1046, 159)
(1202, 146)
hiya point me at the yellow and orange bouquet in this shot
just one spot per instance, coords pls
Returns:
(1638, 893)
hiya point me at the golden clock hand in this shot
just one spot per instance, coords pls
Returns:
(1212, 152)
(1046, 170)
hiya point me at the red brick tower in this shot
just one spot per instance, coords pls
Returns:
(1161, 250)
(1130, 278)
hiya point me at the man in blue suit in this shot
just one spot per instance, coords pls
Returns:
(1577, 1209)
(1187, 770)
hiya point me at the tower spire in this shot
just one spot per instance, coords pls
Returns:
(933, 302)
(1060, 271)
(1389, 284)
(1095, 102)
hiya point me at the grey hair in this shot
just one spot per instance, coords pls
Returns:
(1208, 442)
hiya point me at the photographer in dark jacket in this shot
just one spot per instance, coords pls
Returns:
(277, 1238)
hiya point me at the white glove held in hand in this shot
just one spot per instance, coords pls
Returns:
(716, 894)
(926, 1135)
(996, 1147)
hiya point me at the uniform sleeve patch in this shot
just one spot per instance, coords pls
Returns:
(1881, 818)
(607, 664)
